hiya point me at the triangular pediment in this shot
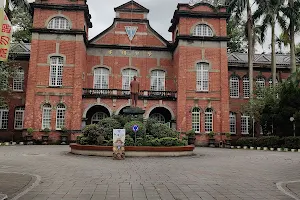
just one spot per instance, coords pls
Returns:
(19, 48)
(262, 58)
(132, 6)
(233, 58)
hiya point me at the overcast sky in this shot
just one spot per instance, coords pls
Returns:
(161, 13)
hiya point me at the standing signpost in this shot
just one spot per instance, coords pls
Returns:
(119, 143)
(135, 129)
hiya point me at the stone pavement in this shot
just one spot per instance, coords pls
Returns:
(294, 188)
(212, 174)
(11, 184)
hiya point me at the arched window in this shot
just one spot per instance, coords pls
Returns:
(234, 87)
(101, 78)
(3, 118)
(202, 77)
(19, 117)
(60, 116)
(260, 84)
(59, 23)
(208, 120)
(56, 71)
(196, 120)
(18, 82)
(127, 77)
(159, 118)
(46, 117)
(158, 79)
(246, 87)
(97, 117)
(245, 124)
(203, 30)
(232, 123)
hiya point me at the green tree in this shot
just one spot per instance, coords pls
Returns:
(11, 4)
(237, 36)
(270, 13)
(292, 12)
(22, 22)
(237, 7)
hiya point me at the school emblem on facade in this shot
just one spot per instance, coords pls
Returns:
(131, 31)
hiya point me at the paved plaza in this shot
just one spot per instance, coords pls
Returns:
(51, 172)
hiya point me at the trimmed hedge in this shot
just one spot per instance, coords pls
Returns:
(270, 142)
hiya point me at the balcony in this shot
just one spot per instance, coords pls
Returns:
(125, 94)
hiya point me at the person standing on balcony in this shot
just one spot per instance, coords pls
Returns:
(134, 91)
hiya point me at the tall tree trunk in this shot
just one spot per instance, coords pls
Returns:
(273, 59)
(292, 40)
(250, 46)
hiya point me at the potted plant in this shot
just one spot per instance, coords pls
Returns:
(228, 140)
(29, 136)
(64, 135)
(45, 137)
(191, 137)
(211, 139)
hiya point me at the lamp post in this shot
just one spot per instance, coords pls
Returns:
(292, 119)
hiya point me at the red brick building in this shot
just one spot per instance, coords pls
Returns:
(190, 82)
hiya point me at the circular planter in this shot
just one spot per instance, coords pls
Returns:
(7, 144)
(232, 147)
(279, 149)
(252, 148)
(258, 148)
(286, 149)
(238, 147)
(245, 147)
(293, 150)
(272, 149)
(191, 140)
(107, 151)
(266, 148)
(299, 150)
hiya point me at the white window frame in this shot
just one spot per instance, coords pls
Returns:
(56, 71)
(245, 124)
(232, 123)
(158, 80)
(18, 81)
(60, 116)
(46, 116)
(234, 87)
(203, 30)
(271, 82)
(260, 84)
(196, 120)
(101, 78)
(59, 23)
(246, 87)
(202, 77)
(97, 117)
(3, 119)
(209, 120)
(127, 77)
(19, 118)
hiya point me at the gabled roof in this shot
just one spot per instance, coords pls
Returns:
(132, 6)
(20, 48)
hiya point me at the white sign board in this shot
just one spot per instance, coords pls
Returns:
(119, 137)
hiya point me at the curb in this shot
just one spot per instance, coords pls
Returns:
(282, 187)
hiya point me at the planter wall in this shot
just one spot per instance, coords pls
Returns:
(106, 151)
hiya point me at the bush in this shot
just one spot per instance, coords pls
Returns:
(129, 141)
(191, 133)
(149, 124)
(128, 126)
(292, 142)
(268, 141)
(125, 119)
(91, 133)
(108, 125)
(246, 141)
(162, 131)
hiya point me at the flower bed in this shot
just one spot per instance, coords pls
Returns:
(132, 151)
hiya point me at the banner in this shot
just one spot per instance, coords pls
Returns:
(119, 143)
(5, 35)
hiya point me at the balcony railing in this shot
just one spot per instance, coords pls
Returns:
(125, 94)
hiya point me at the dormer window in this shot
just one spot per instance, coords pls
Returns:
(59, 23)
(203, 30)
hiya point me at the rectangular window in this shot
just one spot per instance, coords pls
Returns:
(246, 87)
(46, 121)
(234, 87)
(245, 124)
(158, 80)
(208, 121)
(56, 71)
(18, 81)
(202, 77)
(232, 123)
(60, 117)
(19, 118)
(3, 119)
(196, 120)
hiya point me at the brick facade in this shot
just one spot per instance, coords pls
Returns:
(113, 51)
